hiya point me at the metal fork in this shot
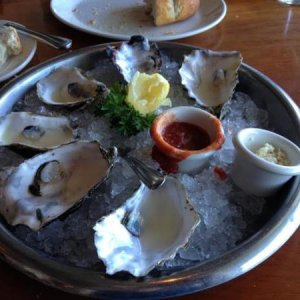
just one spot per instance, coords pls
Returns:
(57, 42)
(151, 177)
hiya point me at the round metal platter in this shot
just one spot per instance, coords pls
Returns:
(279, 224)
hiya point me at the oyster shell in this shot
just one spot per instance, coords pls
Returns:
(136, 55)
(34, 131)
(68, 87)
(210, 76)
(42, 188)
(148, 229)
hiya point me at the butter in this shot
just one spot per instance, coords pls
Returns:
(273, 154)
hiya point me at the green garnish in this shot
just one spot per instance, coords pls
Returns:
(39, 215)
(123, 116)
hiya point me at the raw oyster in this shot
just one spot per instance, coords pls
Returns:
(148, 229)
(34, 131)
(42, 188)
(136, 55)
(209, 76)
(68, 87)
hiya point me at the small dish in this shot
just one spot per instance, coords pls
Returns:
(15, 64)
(254, 174)
(210, 128)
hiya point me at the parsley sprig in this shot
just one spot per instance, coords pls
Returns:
(123, 116)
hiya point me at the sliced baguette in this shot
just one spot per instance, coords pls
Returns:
(185, 9)
(171, 11)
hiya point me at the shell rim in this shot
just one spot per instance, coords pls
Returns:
(194, 215)
(78, 102)
(109, 155)
(32, 147)
(205, 52)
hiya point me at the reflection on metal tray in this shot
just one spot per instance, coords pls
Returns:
(277, 225)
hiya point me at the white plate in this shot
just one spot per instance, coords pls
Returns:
(121, 19)
(15, 64)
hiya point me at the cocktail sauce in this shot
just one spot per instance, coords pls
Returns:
(167, 163)
(186, 136)
(183, 136)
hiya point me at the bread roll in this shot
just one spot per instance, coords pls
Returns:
(3, 53)
(10, 38)
(171, 11)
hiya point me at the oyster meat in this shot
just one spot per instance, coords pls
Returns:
(42, 188)
(210, 76)
(34, 131)
(149, 228)
(136, 55)
(68, 87)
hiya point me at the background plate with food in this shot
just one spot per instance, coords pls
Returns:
(15, 63)
(122, 19)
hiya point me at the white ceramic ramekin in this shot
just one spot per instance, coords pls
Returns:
(254, 174)
(189, 161)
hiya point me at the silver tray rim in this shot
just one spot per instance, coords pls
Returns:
(210, 273)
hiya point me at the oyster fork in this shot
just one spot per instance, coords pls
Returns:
(55, 41)
(151, 177)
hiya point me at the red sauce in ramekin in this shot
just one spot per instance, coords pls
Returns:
(176, 139)
(186, 136)
(183, 136)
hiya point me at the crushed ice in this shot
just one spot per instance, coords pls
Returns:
(227, 213)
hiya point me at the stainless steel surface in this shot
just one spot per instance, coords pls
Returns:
(150, 177)
(276, 228)
(55, 41)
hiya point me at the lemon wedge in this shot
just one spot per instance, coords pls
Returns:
(148, 92)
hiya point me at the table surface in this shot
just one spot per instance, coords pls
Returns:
(268, 35)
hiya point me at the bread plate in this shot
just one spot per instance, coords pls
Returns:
(122, 19)
(15, 64)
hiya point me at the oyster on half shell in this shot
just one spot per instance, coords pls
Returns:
(210, 76)
(35, 131)
(69, 87)
(148, 229)
(136, 55)
(44, 187)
